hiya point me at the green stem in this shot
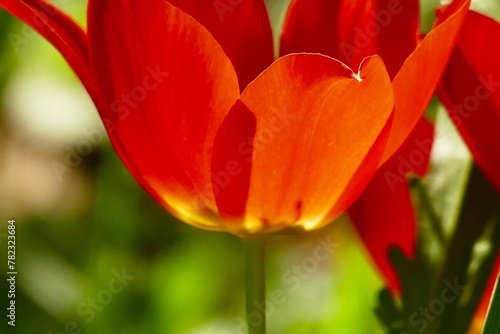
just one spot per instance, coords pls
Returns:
(426, 202)
(476, 213)
(256, 285)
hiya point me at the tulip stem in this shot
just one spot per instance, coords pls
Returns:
(255, 250)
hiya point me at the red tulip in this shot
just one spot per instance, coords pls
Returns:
(470, 90)
(211, 133)
(349, 31)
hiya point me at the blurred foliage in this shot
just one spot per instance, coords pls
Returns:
(457, 245)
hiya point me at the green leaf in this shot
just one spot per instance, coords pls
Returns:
(493, 317)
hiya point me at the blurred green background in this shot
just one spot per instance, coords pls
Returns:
(95, 254)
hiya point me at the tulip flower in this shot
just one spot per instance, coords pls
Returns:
(470, 91)
(224, 143)
(383, 215)
(286, 153)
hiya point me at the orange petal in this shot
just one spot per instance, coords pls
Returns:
(362, 177)
(416, 82)
(350, 30)
(60, 30)
(316, 121)
(166, 86)
(470, 91)
(384, 214)
(242, 28)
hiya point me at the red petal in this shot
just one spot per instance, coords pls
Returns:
(384, 214)
(232, 163)
(60, 30)
(166, 85)
(315, 124)
(241, 27)
(312, 26)
(352, 30)
(471, 91)
(416, 82)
